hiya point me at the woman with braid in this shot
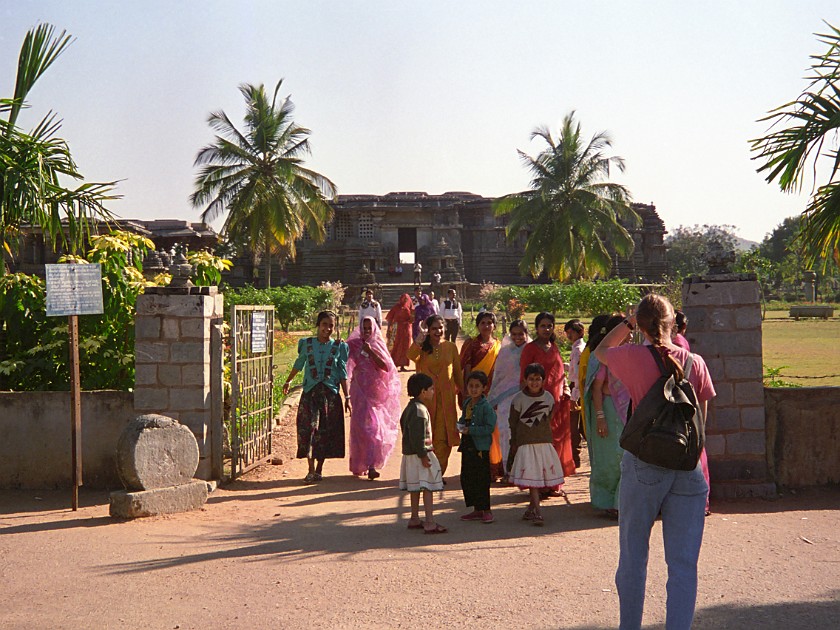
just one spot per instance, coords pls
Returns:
(647, 490)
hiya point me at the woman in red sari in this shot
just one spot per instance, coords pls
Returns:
(401, 316)
(543, 350)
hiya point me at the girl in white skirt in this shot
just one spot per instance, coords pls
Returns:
(533, 463)
(420, 470)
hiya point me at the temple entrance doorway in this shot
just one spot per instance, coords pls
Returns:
(407, 245)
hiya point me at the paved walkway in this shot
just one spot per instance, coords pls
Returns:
(268, 551)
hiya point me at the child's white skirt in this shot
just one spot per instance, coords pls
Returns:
(414, 476)
(536, 466)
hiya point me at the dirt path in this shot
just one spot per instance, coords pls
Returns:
(268, 551)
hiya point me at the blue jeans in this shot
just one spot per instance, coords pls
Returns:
(646, 490)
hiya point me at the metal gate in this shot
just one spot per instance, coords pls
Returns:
(252, 384)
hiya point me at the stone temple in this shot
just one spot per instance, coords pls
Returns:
(455, 234)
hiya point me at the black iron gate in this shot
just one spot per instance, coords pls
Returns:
(252, 384)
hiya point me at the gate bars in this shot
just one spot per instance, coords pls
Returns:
(252, 386)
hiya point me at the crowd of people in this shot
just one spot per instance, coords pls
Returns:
(518, 414)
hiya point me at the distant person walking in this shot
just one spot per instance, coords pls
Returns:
(451, 311)
(399, 320)
(320, 418)
(423, 311)
(375, 389)
(647, 490)
(370, 308)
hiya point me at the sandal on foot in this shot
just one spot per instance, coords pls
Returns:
(310, 478)
(372, 474)
(538, 520)
(529, 515)
(415, 526)
(437, 529)
(317, 476)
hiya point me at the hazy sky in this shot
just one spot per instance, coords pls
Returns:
(432, 96)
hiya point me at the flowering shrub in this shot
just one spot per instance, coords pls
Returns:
(515, 309)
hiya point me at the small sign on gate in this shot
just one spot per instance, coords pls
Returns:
(258, 332)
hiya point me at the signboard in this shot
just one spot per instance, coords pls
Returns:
(74, 289)
(258, 332)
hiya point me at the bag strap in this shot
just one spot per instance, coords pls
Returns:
(659, 362)
(687, 367)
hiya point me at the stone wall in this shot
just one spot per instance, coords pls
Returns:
(803, 435)
(35, 438)
(724, 327)
(173, 360)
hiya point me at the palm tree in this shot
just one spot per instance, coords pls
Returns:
(570, 212)
(792, 151)
(258, 177)
(31, 163)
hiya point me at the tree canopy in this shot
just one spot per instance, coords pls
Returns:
(258, 178)
(32, 164)
(687, 247)
(571, 213)
(802, 138)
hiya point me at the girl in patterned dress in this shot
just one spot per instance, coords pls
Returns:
(533, 461)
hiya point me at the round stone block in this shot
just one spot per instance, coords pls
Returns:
(156, 451)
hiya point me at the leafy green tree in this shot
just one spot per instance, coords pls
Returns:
(257, 176)
(571, 213)
(687, 247)
(33, 164)
(804, 138)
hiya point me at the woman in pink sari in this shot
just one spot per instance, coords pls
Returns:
(375, 391)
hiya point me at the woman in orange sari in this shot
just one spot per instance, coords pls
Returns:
(401, 316)
(479, 353)
(439, 359)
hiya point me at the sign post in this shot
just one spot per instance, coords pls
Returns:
(73, 290)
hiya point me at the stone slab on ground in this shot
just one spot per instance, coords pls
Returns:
(155, 451)
(171, 500)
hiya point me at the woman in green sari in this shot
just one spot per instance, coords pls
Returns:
(604, 423)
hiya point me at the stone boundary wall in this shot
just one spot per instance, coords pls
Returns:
(724, 327)
(173, 359)
(35, 438)
(803, 435)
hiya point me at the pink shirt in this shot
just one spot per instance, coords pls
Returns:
(636, 368)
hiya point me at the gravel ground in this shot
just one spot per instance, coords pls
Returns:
(268, 551)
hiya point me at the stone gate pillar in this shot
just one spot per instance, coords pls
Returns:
(724, 327)
(178, 359)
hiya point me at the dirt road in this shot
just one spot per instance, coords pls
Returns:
(268, 551)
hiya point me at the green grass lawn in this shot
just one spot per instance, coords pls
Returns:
(809, 347)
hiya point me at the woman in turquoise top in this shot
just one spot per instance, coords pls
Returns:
(320, 417)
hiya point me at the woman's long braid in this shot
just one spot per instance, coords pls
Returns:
(655, 316)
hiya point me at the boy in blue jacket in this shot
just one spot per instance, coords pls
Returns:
(476, 426)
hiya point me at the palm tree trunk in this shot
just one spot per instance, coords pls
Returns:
(267, 261)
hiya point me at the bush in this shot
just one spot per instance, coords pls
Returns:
(579, 298)
(292, 305)
(36, 354)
